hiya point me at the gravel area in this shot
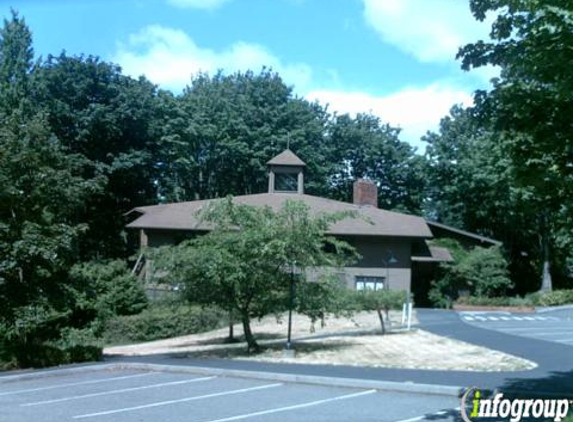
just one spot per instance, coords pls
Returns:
(341, 341)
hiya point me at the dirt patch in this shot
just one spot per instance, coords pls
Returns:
(341, 341)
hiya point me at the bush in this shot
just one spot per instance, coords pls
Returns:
(110, 287)
(485, 270)
(379, 301)
(553, 298)
(482, 271)
(163, 321)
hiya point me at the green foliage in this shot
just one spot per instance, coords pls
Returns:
(385, 299)
(495, 301)
(380, 301)
(553, 298)
(472, 186)
(481, 271)
(163, 321)
(110, 287)
(485, 271)
(530, 106)
(16, 63)
(442, 292)
(244, 263)
(364, 147)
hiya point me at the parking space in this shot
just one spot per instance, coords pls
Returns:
(548, 326)
(127, 395)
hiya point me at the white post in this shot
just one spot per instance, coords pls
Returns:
(403, 314)
(409, 315)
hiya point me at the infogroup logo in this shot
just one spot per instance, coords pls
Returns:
(475, 406)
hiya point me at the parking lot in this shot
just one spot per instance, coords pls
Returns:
(110, 394)
(549, 326)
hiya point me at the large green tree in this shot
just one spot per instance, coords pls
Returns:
(113, 122)
(472, 186)
(223, 129)
(530, 105)
(365, 147)
(41, 186)
(244, 264)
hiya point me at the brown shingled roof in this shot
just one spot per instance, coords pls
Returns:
(371, 221)
(286, 158)
(437, 254)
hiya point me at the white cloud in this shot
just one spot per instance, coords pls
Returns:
(197, 4)
(169, 57)
(414, 110)
(431, 31)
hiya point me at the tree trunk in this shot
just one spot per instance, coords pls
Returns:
(231, 338)
(252, 346)
(546, 281)
(381, 317)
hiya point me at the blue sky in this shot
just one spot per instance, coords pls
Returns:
(394, 58)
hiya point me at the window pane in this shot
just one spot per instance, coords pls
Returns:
(286, 182)
(369, 282)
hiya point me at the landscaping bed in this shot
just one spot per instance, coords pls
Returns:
(342, 341)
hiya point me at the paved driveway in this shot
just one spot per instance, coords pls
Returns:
(547, 326)
(151, 396)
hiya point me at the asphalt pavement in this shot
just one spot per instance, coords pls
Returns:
(552, 376)
(115, 395)
(548, 326)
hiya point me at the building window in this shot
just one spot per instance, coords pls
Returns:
(286, 182)
(369, 282)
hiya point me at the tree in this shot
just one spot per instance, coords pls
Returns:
(365, 147)
(16, 63)
(531, 104)
(244, 264)
(41, 189)
(223, 129)
(381, 301)
(480, 271)
(113, 122)
(471, 184)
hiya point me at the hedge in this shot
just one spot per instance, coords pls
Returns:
(163, 321)
(552, 298)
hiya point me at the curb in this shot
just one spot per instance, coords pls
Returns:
(59, 370)
(401, 387)
(544, 309)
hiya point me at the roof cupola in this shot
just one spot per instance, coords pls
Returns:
(286, 173)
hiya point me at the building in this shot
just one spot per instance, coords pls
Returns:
(394, 246)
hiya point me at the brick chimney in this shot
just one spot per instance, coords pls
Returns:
(365, 193)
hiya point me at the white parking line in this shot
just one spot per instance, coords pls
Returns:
(186, 399)
(541, 329)
(123, 390)
(72, 384)
(431, 416)
(558, 333)
(294, 407)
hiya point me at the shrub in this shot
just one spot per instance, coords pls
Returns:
(379, 301)
(482, 271)
(110, 287)
(163, 321)
(552, 298)
(485, 270)
(442, 292)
